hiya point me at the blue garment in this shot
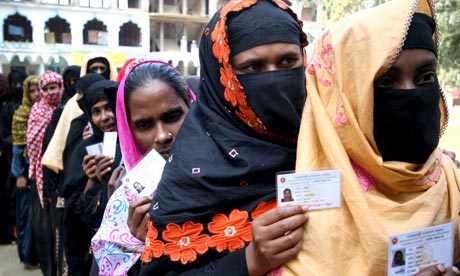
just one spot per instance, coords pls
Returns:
(19, 163)
(26, 241)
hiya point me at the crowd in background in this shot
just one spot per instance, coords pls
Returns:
(44, 119)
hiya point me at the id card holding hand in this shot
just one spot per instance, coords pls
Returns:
(143, 179)
(410, 252)
(319, 190)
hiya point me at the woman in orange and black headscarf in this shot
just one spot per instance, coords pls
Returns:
(219, 181)
(375, 111)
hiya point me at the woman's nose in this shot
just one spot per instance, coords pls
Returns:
(163, 135)
(271, 67)
(106, 114)
(406, 84)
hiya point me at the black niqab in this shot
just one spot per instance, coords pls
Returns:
(70, 72)
(407, 121)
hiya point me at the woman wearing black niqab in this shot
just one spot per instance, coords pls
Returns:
(221, 172)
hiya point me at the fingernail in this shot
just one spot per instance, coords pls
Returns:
(456, 270)
(304, 208)
(441, 268)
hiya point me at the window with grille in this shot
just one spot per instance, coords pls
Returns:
(17, 28)
(57, 30)
(95, 32)
(129, 35)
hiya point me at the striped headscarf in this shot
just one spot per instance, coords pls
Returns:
(40, 116)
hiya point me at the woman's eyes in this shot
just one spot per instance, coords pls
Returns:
(422, 79)
(426, 78)
(288, 62)
(384, 82)
(144, 125)
(250, 68)
(95, 112)
(285, 63)
(173, 117)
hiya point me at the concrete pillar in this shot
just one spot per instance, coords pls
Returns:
(162, 36)
(38, 29)
(184, 6)
(112, 36)
(77, 32)
(41, 69)
(160, 7)
(212, 4)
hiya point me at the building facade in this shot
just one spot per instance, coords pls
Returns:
(41, 35)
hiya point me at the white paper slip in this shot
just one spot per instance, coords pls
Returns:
(319, 190)
(95, 149)
(110, 144)
(143, 179)
(410, 252)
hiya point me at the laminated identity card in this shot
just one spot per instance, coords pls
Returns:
(143, 179)
(109, 144)
(319, 190)
(410, 252)
(95, 149)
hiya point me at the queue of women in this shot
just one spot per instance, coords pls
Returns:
(366, 102)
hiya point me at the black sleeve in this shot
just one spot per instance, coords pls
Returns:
(74, 137)
(87, 204)
(6, 118)
(74, 176)
(233, 264)
(50, 178)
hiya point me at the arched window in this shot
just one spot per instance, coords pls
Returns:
(134, 4)
(17, 28)
(95, 32)
(129, 35)
(57, 30)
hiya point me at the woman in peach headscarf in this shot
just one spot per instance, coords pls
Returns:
(375, 111)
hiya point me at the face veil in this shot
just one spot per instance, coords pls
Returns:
(407, 121)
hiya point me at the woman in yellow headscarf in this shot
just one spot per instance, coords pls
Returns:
(375, 112)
